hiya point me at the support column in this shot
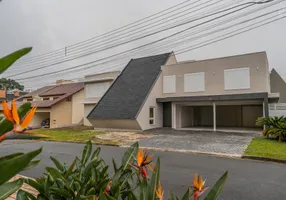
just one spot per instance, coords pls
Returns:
(174, 120)
(214, 116)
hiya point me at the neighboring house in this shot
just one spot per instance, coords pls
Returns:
(95, 87)
(157, 91)
(59, 103)
(10, 95)
(278, 85)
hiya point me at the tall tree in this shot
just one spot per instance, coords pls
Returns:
(10, 84)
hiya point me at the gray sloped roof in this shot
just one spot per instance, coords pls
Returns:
(124, 98)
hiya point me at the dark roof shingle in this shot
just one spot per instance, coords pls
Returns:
(128, 92)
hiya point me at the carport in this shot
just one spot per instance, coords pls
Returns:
(218, 112)
(39, 117)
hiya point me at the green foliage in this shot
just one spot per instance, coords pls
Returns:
(8, 60)
(10, 84)
(215, 190)
(88, 177)
(275, 127)
(11, 165)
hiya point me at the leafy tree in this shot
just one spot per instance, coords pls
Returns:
(10, 84)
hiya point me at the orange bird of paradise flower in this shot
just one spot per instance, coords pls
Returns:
(143, 162)
(198, 186)
(19, 125)
(159, 192)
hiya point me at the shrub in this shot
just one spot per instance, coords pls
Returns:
(275, 127)
(12, 164)
(88, 177)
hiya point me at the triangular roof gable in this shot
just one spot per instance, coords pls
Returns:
(128, 92)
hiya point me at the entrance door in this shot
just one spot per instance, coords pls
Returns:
(167, 114)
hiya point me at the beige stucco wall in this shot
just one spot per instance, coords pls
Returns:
(115, 124)
(214, 74)
(62, 114)
(87, 110)
(77, 107)
(172, 60)
(143, 116)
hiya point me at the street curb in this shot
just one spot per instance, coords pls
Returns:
(263, 159)
(189, 151)
(78, 142)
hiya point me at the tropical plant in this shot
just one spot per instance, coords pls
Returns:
(274, 127)
(13, 126)
(88, 177)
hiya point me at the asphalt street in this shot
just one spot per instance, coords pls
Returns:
(247, 179)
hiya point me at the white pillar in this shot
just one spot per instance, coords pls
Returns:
(214, 116)
(174, 120)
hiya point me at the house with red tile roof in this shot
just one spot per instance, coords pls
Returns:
(58, 104)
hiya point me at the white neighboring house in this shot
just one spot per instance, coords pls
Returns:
(95, 86)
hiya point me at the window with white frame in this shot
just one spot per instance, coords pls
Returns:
(194, 82)
(152, 115)
(95, 90)
(169, 84)
(238, 78)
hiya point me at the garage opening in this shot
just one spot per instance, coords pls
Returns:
(227, 116)
(41, 119)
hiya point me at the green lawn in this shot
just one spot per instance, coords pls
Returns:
(74, 134)
(263, 147)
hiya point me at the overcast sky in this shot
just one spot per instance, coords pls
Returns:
(47, 25)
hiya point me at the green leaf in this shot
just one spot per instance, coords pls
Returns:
(57, 163)
(212, 195)
(9, 188)
(114, 165)
(54, 173)
(1, 117)
(32, 197)
(35, 185)
(8, 60)
(93, 164)
(95, 153)
(187, 195)
(86, 152)
(8, 157)
(9, 168)
(155, 180)
(62, 192)
(108, 197)
(129, 154)
(32, 164)
(21, 195)
(70, 169)
(172, 196)
(6, 126)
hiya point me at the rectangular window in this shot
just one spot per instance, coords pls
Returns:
(194, 82)
(238, 78)
(29, 99)
(46, 98)
(152, 115)
(169, 84)
(95, 90)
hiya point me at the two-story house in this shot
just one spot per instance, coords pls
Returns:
(158, 91)
(58, 104)
(95, 86)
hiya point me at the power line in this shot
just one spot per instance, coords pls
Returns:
(200, 36)
(246, 6)
(65, 58)
(112, 31)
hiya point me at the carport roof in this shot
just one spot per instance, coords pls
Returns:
(226, 97)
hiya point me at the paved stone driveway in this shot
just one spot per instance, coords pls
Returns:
(232, 144)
